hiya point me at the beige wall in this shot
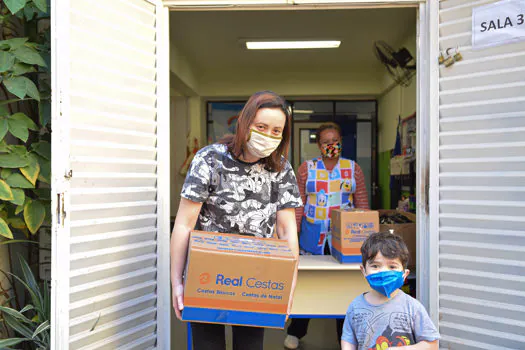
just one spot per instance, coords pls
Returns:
(187, 121)
(183, 77)
(197, 115)
(178, 132)
(292, 84)
(399, 101)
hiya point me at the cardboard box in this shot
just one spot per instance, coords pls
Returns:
(406, 231)
(350, 228)
(239, 280)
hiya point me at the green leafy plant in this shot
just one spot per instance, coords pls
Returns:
(25, 165)
(25, 150)
(31, 323)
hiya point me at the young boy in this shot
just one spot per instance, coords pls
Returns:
(386, 317)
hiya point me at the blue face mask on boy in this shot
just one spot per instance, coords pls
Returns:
(386, 282)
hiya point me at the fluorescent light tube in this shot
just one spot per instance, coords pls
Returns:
(283, 45)
(303, 111)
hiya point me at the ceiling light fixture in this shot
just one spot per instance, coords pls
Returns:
(303, 111)
(285, 45)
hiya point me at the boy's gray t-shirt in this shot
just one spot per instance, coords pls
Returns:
(400, 321)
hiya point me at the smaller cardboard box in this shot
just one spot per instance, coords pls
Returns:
(238, 280)
(350, 228)
(407, 231)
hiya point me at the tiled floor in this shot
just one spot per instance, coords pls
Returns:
(321, 336)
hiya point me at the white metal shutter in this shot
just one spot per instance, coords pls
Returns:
(481, 189)
(110, 265)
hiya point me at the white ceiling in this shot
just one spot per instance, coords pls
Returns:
(211, 40)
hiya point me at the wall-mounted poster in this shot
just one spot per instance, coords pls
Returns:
(222, 119)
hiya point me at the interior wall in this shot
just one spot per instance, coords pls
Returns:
(178, 130)
(220, 84)
(197, 119)
(399, 101)
(395, 102)
(183, 77)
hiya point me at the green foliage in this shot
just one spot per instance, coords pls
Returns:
(25, 162)
(32, 322)
(25, 151)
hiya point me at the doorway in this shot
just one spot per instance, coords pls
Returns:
(324, 86)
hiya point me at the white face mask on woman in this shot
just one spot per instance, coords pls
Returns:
(262, 145)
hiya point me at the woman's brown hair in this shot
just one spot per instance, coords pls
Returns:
(237, 143)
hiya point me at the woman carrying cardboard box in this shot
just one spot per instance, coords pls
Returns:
(326, 183)
(243, 185)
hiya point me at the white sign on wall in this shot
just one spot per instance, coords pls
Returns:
(496, 24)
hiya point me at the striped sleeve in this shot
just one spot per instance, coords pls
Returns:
(361, 194)
(302, 175)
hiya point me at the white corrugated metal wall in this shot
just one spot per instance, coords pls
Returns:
(481, 189)
(106, 250)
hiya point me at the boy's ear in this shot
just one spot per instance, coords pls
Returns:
(363, 270)
(406, 273)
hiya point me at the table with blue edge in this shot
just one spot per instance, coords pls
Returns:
(324, 288)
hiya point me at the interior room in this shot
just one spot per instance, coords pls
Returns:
(356, 85)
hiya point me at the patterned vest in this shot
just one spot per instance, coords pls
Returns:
(325, 191)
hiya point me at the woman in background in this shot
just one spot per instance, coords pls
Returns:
(326, 183)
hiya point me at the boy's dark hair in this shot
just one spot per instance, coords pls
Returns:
(390, 245)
